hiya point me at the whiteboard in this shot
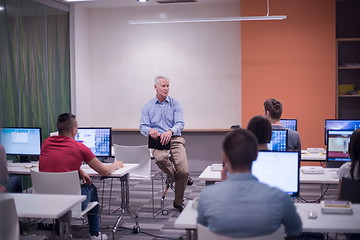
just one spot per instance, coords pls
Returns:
(202, 61)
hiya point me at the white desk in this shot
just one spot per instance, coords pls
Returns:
(50, 206)
(328, 177)
(122, 174)
(328, 223)
(21, 169)
(210, 176)
(187, 220)
(305, 156)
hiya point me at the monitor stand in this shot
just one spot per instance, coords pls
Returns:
(24, 159)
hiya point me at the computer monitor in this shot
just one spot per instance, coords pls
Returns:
(22, 141)
(289, 123)
(338, 146)
(340, 124)
(279, 140)
(278, 169)
(97, 139)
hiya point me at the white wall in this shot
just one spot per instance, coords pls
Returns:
(202, 61)
(80, 64)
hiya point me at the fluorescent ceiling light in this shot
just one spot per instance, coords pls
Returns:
(1, 8)
(198, 20)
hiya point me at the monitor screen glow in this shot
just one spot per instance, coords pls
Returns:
(97, 139)
(289, 123)
(338, 145)
(21, 141)
(340, 124)
(279, 140)
(278, 169)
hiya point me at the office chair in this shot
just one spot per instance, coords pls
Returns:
(204, 233)
(142, 155)
(350, 190)
(67, 183)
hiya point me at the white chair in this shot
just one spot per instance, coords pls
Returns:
(135, 154)
(141, 155)
(54, 133)
(9, 222)
(67, 183)
(204, 233)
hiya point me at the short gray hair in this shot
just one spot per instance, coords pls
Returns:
(157, 79)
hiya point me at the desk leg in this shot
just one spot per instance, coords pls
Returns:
(124, 191)
(191, 234)
(64, 225)
(125, 204)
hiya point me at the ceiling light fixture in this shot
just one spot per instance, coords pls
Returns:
(219, 19)
(142, 1)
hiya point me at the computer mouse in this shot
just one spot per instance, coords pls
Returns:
(312, 215)
(29, 166)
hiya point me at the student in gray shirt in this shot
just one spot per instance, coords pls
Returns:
(273, 111)
(241, 206)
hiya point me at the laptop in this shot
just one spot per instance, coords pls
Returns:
(155, 144)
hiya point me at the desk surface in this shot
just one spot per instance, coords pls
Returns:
(331, 223)
(306, 156)
(43, 205)
(21, 169)
(328, 177)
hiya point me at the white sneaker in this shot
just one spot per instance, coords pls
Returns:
(100, 237)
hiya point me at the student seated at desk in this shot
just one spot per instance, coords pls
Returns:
(273, 111)
(63, 153)
(241, 206)
(352, 169)
(8, 184)
(260, 126)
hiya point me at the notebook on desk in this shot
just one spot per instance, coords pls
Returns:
(156, 144)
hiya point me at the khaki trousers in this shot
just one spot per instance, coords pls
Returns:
(174, 163)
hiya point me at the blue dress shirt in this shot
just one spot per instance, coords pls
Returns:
(162, 116)
(241, 206)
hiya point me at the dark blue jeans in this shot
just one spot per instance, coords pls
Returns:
(14, 184)
(93, 215)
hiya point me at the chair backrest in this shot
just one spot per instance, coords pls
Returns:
(205, 234)
(54, 133)
(9, 222)
(350, 190)
(57, 183)
(135, 154)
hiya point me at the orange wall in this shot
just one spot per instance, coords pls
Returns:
(292, 60)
